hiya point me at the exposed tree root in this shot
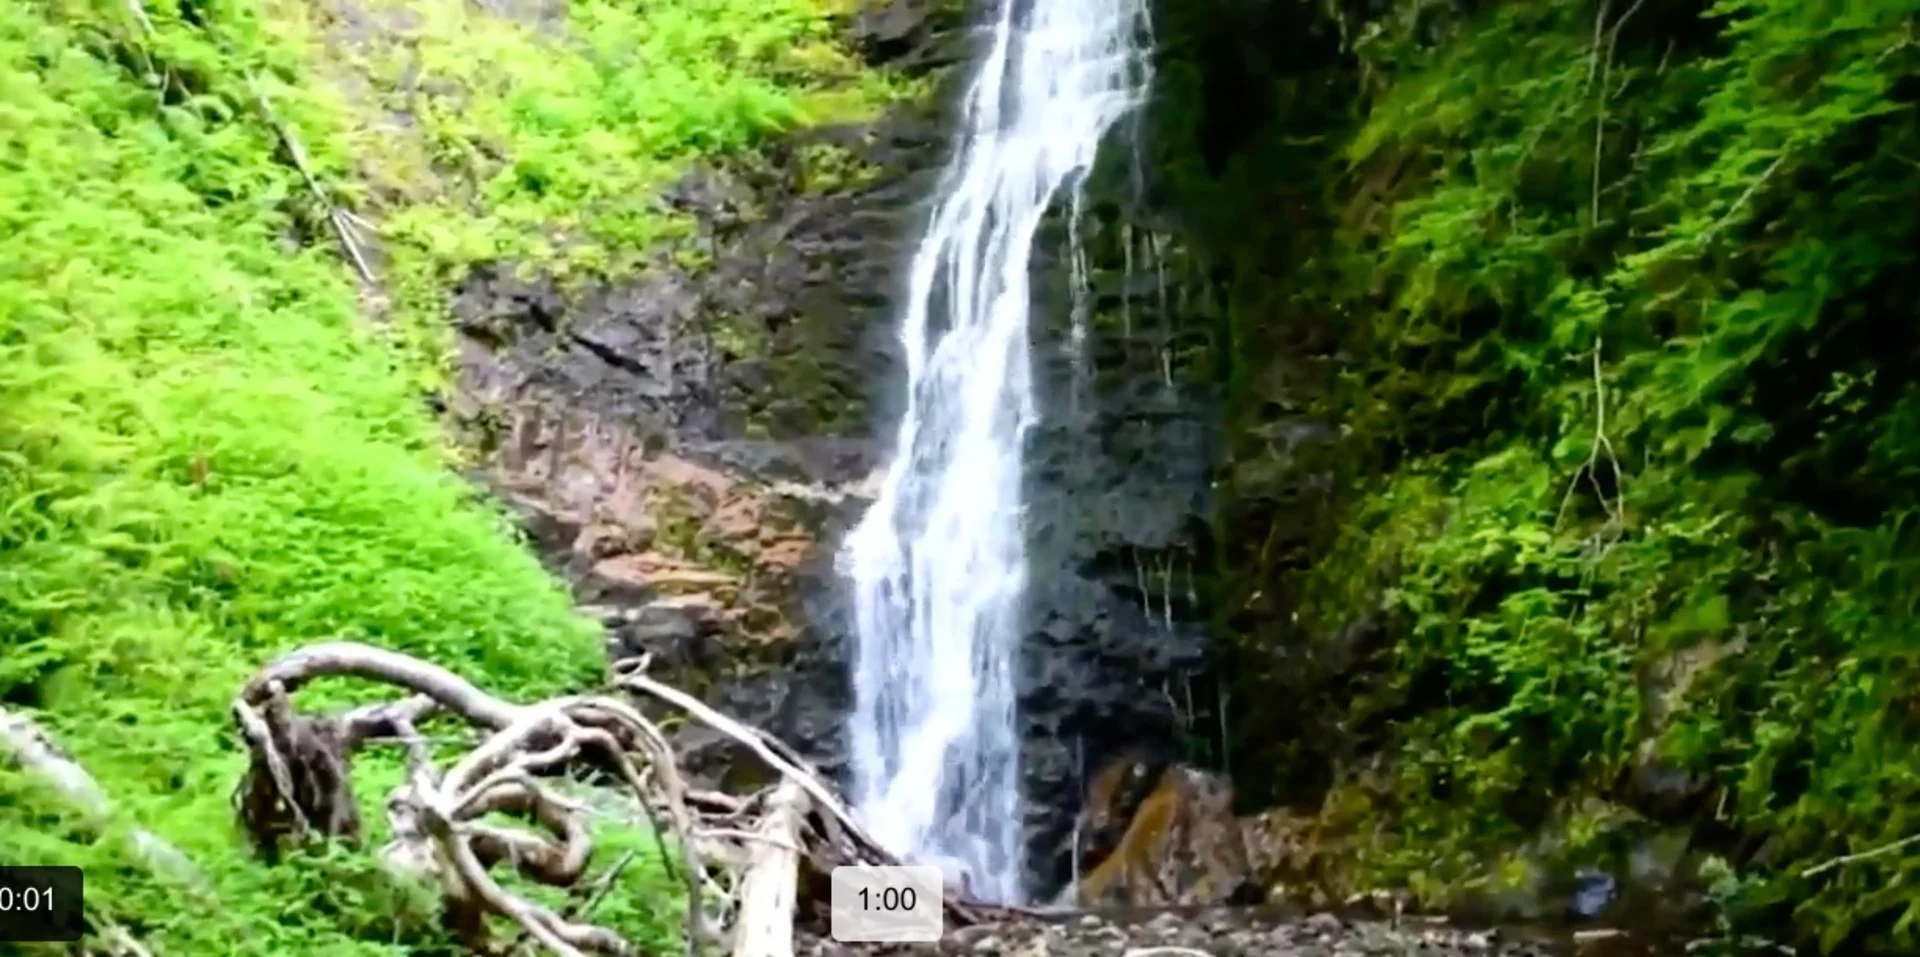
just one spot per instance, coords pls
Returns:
(741, 857)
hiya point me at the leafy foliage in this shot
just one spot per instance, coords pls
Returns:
(1614, 303)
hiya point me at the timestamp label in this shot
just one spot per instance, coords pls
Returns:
(887, 904)
(41, 904)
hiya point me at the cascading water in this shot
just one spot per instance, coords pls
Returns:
(938, 563)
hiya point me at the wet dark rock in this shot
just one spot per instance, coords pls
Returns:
(1592, 892)
(827, 460)
(1654, 785)
(1119, 505)
(680, 633)
(910, 34)
(687, 444)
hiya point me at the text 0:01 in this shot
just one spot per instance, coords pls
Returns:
(41, 904)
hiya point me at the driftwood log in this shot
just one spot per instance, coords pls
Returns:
(741, 859)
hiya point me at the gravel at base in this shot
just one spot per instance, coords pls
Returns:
(1220, 934)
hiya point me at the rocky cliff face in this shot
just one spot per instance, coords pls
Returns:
(688, 445)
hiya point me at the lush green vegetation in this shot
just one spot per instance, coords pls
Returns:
(540, 133)
(209, 452)
(1609, 307)
(1614, 304)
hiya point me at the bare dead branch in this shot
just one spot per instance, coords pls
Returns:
(353, 659)
(755, 740)
(1866, 855)
(34, 750)
(1740, 202)
(342, 226)
(740, 858)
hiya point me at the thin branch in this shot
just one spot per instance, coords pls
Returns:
(1600, 113)
(1602, 442)
(1881, 851)
(116, 939)
(1752, 188)
(1599, 30)
(342, 227)
(582, 907)
(139, 12)
(1616, 510)
(1905, 42)
(1621, 23)
(354, 659)
(752, 738)
(1599, 130)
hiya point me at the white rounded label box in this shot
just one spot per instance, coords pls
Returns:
(887, 904)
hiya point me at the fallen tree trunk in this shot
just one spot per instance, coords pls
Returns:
(768, 890)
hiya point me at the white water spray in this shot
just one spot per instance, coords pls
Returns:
(938, 563)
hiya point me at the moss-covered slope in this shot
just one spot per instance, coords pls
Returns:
(211, 448)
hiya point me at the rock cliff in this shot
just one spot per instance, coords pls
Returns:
(685, 445)
(689, 444)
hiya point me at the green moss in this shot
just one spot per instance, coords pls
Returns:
(831, 168)
(678, 528)
(684, 533)
(740, 337)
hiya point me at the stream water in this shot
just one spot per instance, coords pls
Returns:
(938, 563)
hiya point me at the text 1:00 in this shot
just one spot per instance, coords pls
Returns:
(892, 898)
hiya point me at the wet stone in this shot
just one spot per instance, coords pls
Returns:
(1323, 924)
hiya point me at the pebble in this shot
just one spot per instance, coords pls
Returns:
(1223, 932)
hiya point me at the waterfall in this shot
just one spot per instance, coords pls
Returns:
(938, 563)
